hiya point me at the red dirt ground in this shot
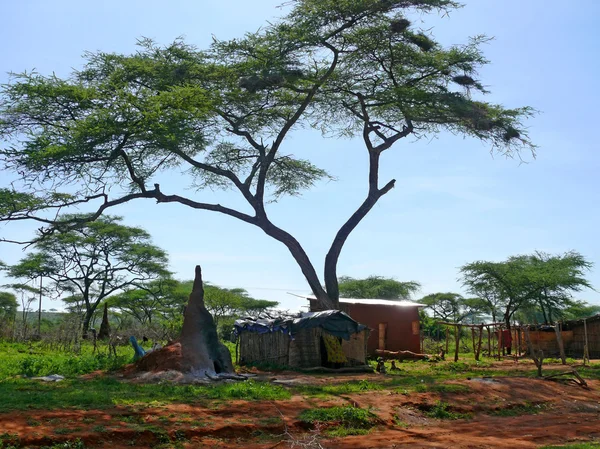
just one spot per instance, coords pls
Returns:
(567, 413)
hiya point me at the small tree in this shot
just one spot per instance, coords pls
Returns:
(222, 117)
(26, 295)
(95, 260)
(452, 307)
(8, 306)
(146, 301)
(377, 287)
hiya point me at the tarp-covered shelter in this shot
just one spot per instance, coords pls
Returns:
(395, 324)
(328, 338)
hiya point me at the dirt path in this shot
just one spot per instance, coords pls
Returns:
(551, 413)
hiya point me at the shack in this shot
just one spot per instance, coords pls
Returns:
(579, 328)
(573, 334)
(327, 338)
(395, 325)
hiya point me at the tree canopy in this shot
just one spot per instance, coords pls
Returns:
(376, 287)
(164, 297)
(8, 306)
(453, 307)
(221, 116)
(526, 283)
(94, 260)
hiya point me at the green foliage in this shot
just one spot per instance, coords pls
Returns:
(148, 301)
(442, 388)
(578, 445)
(376, 287)
(337, 389)
(453, 307)
(108, 132)
(8, 306)
(579, 309)
(526, 408)
(441, 410)
(94, 259)
(528, 284)
(100, 393)
(346, 420)
(17, 361)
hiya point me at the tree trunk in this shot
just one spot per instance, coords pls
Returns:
(105, 325)
(301, 258)
(331, 260)
(201, 350)
(86, 322)
(39, 331)
(508, 348)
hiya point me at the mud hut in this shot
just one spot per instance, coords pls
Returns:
(328, 339)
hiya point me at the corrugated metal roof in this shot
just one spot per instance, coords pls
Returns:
(378, 302)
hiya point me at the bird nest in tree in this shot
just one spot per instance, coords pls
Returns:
(399, 25)
(421, 41)
(464, 80)
(511, 133)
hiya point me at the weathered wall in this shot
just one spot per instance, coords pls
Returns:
(400, 329)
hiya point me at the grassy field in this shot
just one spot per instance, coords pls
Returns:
(441, 392)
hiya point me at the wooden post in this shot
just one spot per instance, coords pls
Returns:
(473, 339)
(561, 346)
(500, 343)
(457, 338)
(537, 356)
(586, 348)
(447, 339)
(479, 344)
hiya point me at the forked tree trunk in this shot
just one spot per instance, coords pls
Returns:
(201, 350)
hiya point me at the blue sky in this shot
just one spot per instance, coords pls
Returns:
(453, 202)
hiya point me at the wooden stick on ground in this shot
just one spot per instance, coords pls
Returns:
(401, 355)
(580, 381)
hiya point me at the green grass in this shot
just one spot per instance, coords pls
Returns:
(589, 445)
(523, 409)
(338, 389)
(22, 394)
(8, 441)
(442, 388)
(345, 420)
(19, 359)
(441, 410)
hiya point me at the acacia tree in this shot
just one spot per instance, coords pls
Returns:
(557, 277)
(452, 306)
(146, 301)
(376, 287)
(8, 306)
(539, 282)
(222, 116)
(27, 296)
(94, 260)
